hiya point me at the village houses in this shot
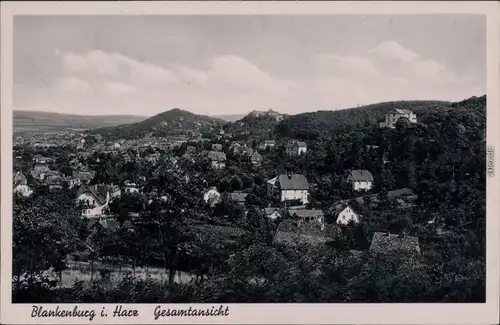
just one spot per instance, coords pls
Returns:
(393, 116)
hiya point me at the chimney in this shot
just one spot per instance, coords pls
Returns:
(387, 233)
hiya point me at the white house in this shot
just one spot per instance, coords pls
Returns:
(296, 148)
(272, 213)
(393, 116)
(212, 196)
(267, 144)
(20, 185)
(95, 200)
(343, 214)
(361, 180)
(23, 189)
(256, 158)
(289, 187)
(130, 188)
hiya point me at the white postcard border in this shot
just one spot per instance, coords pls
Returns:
(262, 313)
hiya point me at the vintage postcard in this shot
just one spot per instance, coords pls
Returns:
(250, 162)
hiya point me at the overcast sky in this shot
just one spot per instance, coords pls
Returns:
(235, 64)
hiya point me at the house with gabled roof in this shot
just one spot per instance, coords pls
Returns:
(296, 148)
(394, 115)
(387, 242)
(20, 185)
(272, 213)
(40, 171)
(361, 180)
(344, 213)
(130, 187)
(256, 158)
(235, 148)
(95, 199)
(218, 159)
(103, 223)
(305, 215)
(289, 187)
(55, 182)
(85, 176)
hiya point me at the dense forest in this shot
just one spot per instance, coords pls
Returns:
(230, 252)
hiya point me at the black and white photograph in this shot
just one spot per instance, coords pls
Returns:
(249, 158)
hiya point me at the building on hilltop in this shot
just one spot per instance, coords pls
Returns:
(288, 187)
(394, 115)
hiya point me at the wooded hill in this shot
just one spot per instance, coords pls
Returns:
(174, 121)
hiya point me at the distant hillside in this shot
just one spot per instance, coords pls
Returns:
(257, 123)
(323, 123)
(229, 118)
(31, 121)
(172, 122)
